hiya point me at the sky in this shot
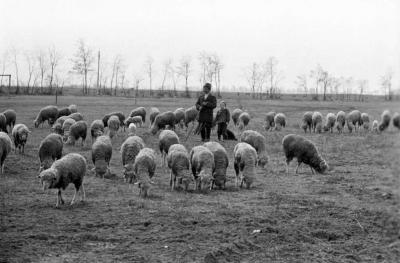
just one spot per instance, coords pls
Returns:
(358, 38)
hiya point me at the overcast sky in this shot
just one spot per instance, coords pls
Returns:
(347, 37)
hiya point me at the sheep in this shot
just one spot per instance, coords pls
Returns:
(191, 115)
(20, 135)
(73, 108)
(137, 120)
(67, 126)
(385, 120)
(113, 125)
(305, 152)
(5, 148)
(48, 113)
(120, 116)
(354, 118)
(269, 120)
(153, 113)
(129, 150)
(76, 116)
(375, 125)
(307, 121)
(180, 117)
(221, 163)
(165, 140)
(71, 169)
(396, 120)
(257, 140)
(203, 167)
(340, 121)
(3, 123)
(350, 126)
(50, 149)
(11, 118)
(96, 129)
(101, 155)
(132, 129)
(330, 122)
(77, 130)
(143, 170)
(245, 160)
(57, 127)
(179, 163)
(243, 120)
(235, 116)
(141, 111)
(280, 121)
(162, 120)
(365, 121)
(64, 112)
(317, 122)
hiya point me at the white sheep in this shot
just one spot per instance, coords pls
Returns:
(132, 129)
(5, 148)
(179, 163)
(365, 120)
(165, 140)
(67, 126)
(137, 120)
(280, 121)
(129, 150)
(243, 120)
(245, 161)
(317, 121)
(20, 135)
(375, 126)
(113, 125)
(340, 121)
(269, 121)
(50, 149)
(330, 122)
(235, 116)
(203, 167)
(354, 120)
(101, 155)
(73, 108)
(307, 121)
(143, 170)
(257, 140)
(221, 161)
(96, 129)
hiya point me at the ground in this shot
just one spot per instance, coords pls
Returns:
(349, 214)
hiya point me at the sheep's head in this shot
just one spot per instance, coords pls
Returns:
(101, 168)
(248, 180)
(48, 178)
(36, 122)
(206, 179)
(318, 127)
(129, 174)
(262, 160)
(24, 135)
(304, 126)
(219, 180)
(45, 164)
(57, 128)
(322, 167)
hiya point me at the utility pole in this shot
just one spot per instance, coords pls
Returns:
(98, 72)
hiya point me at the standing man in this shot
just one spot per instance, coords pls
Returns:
(205, 104)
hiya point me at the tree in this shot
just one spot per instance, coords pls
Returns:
(386, 82)
(166, 72)
(115, 70)
(255, 77)
(42, 63)
(31, 66)
(273, 76)
(325, 79)
(362, 85)
(317, 75)
(4, 61)
(184, 70)
(82, 62)
(54, 59)
(14, 56)
(150, 71)
(137, 79)
(302, 83)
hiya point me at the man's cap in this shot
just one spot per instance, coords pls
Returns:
(207, 85)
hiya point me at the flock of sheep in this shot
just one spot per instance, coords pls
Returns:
(208, 162)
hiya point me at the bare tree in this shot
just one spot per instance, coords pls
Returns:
(150, 71)
(255, 77)
(273, 76)
(54, 59)
(115, 70)
(137, 79)
(302, 83)
(82, 62)
(317, 75)
(203, 60)
(335, 84)
(325, 79)
(42, 64)
(166, 72)
(349, 82)
(386, 82)
(184, 70)
(4, 61)
(362, 85)
(31, 67)
(14, 56)
(217, 66)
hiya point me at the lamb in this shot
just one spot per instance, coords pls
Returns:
(165, 140)
(101, 155)
(317, 122)
(132, 129)
(77, 130)
(179, 163)
(245, 160)
(143, 170)
(203, 167)
(64, 112)
(365, 120)
(50, 149)
(354, 118)
(67, 126)
(120, 116)
(20, 135)
(330, 122)
(307, 121)
(235, 116)
(385, 120)
(191, 115)
(280, 121)
(58, 125)
(76, 116)
(180, 117)
(340, 121)
(305, 152)
(113, 125)
(96, 129)
(375, 126)
(257, 140)
(11, 117)
(129, 150)
(71, 169)
(396, 120)
(5, 148)
(48, 113)
(221, 163)
(243, 120)
(3, 123)
(269, 121)
(162, 120)
(137, 120)
(73, 108)
(141, 111)
(153, 114)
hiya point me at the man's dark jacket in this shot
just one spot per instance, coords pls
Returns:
(206, 109)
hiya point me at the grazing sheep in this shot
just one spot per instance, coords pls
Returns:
(235, 116)
(375, 126)
(129, 150)
(162, 120)
(5, 148)
(317, 122)
(354, 118)
(11, 118)
(385, 120)
(77, 130)
(67, 126)
(132, 129)
(48, 113)
(101, 155)
(296, 146)
(365, 120)
(58, 125)
(20, 135)
(243, 120)
(73, 108)
(3, 123)
(330, 122)
(269, 121)
(350, 126)
(143, 170)
(280, 121)
(120, 116)
(180, 117)
(221, 163)
(245, 160)
(165, 140)
(76, 116)
(141, 111)
(113, 125)
(64, 112)
(307, 121)
(96, 129)
(257, 140)
(396, 120)
(153, 114)
(203, 167)
(191, 115)
(340, 121)
(137, 120)
(50, 149)
(71, 169)
(179, 163)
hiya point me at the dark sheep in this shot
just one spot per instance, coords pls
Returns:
(120, 116)
(141, 111)
(162, 120)
(11, 117)
(64, 112)
(50, 149)
(3, 123)
(48, 113)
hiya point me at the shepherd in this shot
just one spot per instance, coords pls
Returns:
(206, 104)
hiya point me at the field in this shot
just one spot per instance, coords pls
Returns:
(349, 214)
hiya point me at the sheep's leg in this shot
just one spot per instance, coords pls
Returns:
(287, 166)
(83, 193)
(312, 170)
(2, 168)
(298, 166)
(170, 181)
(73, 198)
